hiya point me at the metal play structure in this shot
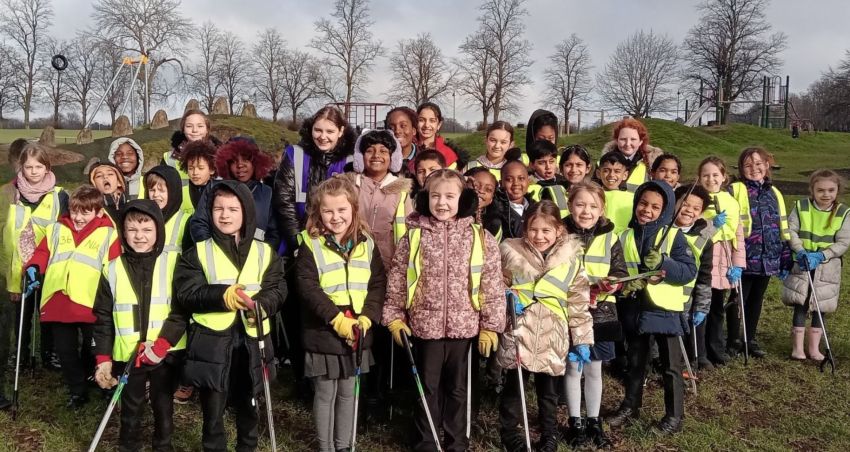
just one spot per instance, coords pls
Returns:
(772, 108)
(141, 60)
(363, 114)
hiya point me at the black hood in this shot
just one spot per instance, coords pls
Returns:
(533, 125)
(178, 139)
(249, 218)
(647, 232)
(344, 147)
(173, 184)
(149, 208)
(602, 226)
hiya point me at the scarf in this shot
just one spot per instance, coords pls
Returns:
(32, 193)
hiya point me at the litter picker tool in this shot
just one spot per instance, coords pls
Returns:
(688, 365)
(469, 392)
(512, 309)
(645, 275)
(828, 358)
(116, 396)
(261, 343)
(358, 360)
(406, 343)
(738, 289)
(18, 353)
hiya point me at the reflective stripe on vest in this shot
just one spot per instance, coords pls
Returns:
(399, 225)
(84, 261)
(174, 230)
(728, 204)
(739, 192)
(558, 194)
(219, 270)
(618, 208)
(818, 227)
(637, 176)
(476, 264)
(19, 216)
(662, 295)
(597, 260)
(496, 172)
(697, 244)
(125, 312)
(345, 282)
(550, 289)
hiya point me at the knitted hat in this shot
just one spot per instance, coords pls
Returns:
(371, 137)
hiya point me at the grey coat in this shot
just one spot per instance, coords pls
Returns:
(827, 276)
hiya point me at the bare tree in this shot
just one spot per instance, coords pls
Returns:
(269, 54)
(202, 78)
(55, 93)
(299, 74)
(476, 72)
(568, 75)
(234, 68)
(109, 57)
(25, 22)
(502, 21)
(638, 75)
(731, 48)
(79, 78)
(155, 28)
(347, 42)
(420, 72)
(8, 78)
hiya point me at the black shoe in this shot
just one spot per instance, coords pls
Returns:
(347, 449)
(705, 364)
(514, 442)
(596, 433)
(734, 348)
(50, 361)
(5, 403)
(669, 425)
(622, 417)
(720, 359)
(75, 402)
(548, 443)
(576, 436)
(755, 350)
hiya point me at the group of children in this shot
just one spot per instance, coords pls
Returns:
(543, 262)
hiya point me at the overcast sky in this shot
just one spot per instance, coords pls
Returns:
(817, 30)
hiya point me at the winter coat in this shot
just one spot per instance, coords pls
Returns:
(827, 276)
(174, 186)
(585, 237)
(512, 224)
(318, 309)
(378, 204)
(533, 125)
(767, 252)
(542, 336)
(209, 352)
(720, 264)
(701, 296)
(133, 182)
(442, 307)
(266, 227)
(454, 154)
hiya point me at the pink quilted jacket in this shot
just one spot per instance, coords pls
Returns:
(720, 261)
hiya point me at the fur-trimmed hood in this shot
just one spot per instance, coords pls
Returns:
(522, 260)
(396, 158)
(391, 184)
(652, 152)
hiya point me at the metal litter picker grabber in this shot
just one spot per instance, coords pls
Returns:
(261, 343)
(406, 342)
(740, 294)
(520, 381)
(827, 359)
(358, 360)
(116, 396)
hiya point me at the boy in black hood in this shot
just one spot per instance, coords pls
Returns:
(542, 125)
(654, 307)
(223, 358)
(163, 186)
(135, 290)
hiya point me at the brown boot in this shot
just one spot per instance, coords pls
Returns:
(814, 344)
(798, 335)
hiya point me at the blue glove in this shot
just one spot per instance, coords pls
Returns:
(699, 317)
(783, 274)
(31, 288)
(719, 220)
(512, 298)
(802, 260)
(32, 273)
(734, 275)
(813, 260)
(580, 355)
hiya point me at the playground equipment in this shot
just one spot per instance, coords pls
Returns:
(142, 60)
(772, 108)
(363, 114)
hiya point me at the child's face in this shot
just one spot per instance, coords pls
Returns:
(649, 207)
(336, 214)
(628, 141)
(575, 169)
(443, 198)
(542, 232)
(755, 168)
(326, 135)
(105, 180)
(81, 218)
(429, 125)
(824, 193)
(545, 133)
(545, 167)
(515, 183)
(403, 130)
(377, 161)
(424, 168)
(690, 211)
(227, 214)
(126, 159)
(140, 235)
(485, 186)
(612, 175)
(195, 127)
(158, 193)
(585, 208)
(498, 142)
(668, 172)
(34, 171)
(711, 177)
(242, 169)
(200, 172)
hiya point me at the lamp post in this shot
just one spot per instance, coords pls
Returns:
(678, 93)
(454, 114)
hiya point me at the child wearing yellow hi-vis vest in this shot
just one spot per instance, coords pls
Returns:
(222, 352)
(550, 294)
(342, 284)
(497, 141)
(132, 307)
(612, 173)
(445, 288)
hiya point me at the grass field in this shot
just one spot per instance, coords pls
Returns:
(63, 136)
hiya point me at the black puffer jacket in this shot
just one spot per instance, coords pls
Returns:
(178, 140)
(618, 262)
(209, 352)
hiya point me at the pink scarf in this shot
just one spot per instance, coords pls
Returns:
(32, 193)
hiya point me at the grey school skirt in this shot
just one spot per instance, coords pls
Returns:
(335, 366)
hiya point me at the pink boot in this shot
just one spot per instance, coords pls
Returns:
(798, 335)
(814, 344)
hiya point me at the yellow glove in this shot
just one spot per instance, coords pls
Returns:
(344, 326)
(231, 300)
(396, 327)
(488, 342)
(364, 324)
(103, 375)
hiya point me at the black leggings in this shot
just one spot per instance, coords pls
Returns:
(800, 314)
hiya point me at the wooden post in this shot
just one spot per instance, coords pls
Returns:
(579, 119)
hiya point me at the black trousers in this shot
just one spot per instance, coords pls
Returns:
(163, 382)
(74, 347)
(510, 405)
(45, 331)
(715, 343)
(240, 397)
(671, 358)
(442, 365)
(293, 349)
(753, 288)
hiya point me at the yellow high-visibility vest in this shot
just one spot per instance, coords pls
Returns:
(346, 282)
(219, 270)
(697, 244)
(551, 288)
(186, 204)
(84, 263)
(729, 205)
(619, 206)
(817, 227)
(175, 228)
(739, 192)
(126, 304)
(637, 176)
(496, 172)
(663, 295)
(557, 194)
(476, 264)
(399, 226)
(45, 214)
(597, 260)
